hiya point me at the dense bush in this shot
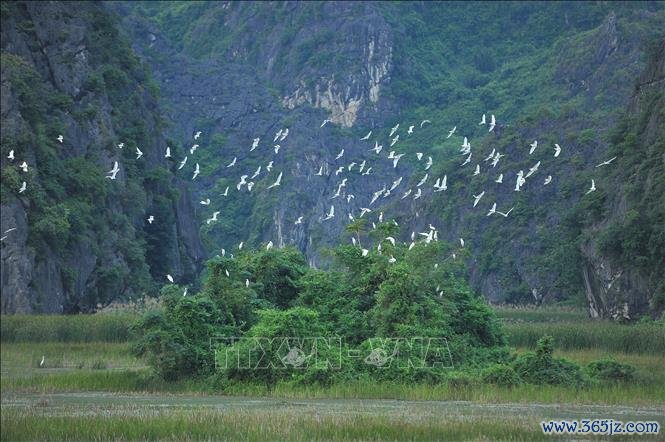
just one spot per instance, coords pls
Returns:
(541, 367)
(501, 374)
(610, 370)
(373, 307)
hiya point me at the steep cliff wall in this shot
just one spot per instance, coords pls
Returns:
(624, 248)
(72, 238)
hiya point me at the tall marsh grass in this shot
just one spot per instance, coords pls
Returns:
(112, 327)
(596, 335)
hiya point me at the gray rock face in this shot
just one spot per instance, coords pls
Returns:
(53, 48)
(614, 288)
(258, 83)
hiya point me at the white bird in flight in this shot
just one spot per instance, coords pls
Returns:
(168, 152)
(557, 150)
(393, 130)
(394, 140)
(276, 183)
(330, 214)
(340, 154)
(520, 181)
(423, 180)
(492, 124)
(197, 135)
(320, 172)
(197, 171)
(492, 210)
(277, 147)
(25, 186)
(500, 179)
(424, 122)
(298, 221)
(226, 191)
(477, 171)
(255, 143)
(324, 123)
(482, 121)
(505, 215)
(193, 149)
(113, 172)
(547, 180)
(419, 155)
(605, 163)
(269, 166)
(429, 163)
(139, 154)
(243, 181)
(377, 147)
(258, 171)
(366, 137)
(533, 169)
(592, 188)
(533, 146)
(232, 163)
(205, 202)
(452, 131)
(182, 163)
(476, 198)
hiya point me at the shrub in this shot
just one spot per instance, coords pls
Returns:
(610, 370)
(501, 374)
(540, 367)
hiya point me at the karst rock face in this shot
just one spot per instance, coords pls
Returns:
(237, 71)
(79, 238)
(622, 284)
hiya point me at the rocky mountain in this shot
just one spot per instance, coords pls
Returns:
(556, 73)
(623, 250)
(73, 238)
(553, 72)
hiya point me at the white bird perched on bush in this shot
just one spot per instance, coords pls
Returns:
(197, 135)
(168, 152)
(170, 278)
(25, 186)
(151, 219)
(60, 138)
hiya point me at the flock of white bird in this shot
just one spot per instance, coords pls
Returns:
(362, 168)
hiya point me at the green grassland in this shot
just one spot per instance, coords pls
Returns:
(96, 389)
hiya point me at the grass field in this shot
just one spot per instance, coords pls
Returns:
(90, 387)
